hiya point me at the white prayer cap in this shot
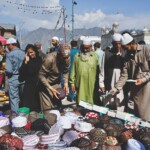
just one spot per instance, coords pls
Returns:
(11, 41)
(126, 39)
(55, 38)
(117, 37)
(87, 41)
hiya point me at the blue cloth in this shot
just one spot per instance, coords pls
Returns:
(73, 52)
(14, 60)
(133, 144)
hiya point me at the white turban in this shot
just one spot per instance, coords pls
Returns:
(116, 37)
(126, 39)
(87, 41)
(55, 38)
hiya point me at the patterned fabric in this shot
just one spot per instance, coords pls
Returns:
(82, 143)
(13, 141)
(93, 120)
(98, 135)
(125, 136)
(108, 147)
(91, 115)
(42, 146)
(105, 119)
(131, 125)
(30, 140)
(111, 141)
(113, 129)
(116, 121)
(144, 135)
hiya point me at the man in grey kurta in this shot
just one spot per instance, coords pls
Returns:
(54, 64)
(114, 59)
(136, 68)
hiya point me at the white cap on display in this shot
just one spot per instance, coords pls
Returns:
(126, 39)
(117, 37)
(87, 41)
(11, 41)
(55, 38)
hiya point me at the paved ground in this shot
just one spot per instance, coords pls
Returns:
(65, 102)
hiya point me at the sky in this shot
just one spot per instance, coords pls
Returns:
(32, 14)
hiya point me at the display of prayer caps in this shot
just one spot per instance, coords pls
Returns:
(82, 143)
(131, 125)
(113, 129)
(98, 135)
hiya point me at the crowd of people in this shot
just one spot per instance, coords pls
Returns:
(37, 83)
(85, 72)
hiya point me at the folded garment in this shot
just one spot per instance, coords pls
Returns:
(30, 140)
(4, 121)
(21, 132)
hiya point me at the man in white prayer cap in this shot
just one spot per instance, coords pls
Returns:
(83, 74)
(114, 59)
(55, 44)
(137, 71)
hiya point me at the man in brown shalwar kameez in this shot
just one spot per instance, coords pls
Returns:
(54, 65)
(137, 68)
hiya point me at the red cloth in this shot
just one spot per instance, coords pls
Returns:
(3, 40)
(15, 142)
(1, 78)
(28, 125)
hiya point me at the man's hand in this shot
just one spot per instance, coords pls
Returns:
(72, 88)
(66, 88)
(55, 92)
(103, 89)
(138, 82)
(112, 92)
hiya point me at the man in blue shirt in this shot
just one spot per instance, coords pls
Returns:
(14, 60)
(74, 50)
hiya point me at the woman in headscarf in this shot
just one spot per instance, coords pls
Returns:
(29, 73)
